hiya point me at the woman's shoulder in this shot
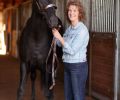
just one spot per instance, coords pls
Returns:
(83, 27)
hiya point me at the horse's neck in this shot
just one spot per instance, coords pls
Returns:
(38, 25)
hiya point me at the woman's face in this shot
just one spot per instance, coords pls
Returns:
(73, 13)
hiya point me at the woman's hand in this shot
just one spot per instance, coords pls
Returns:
(57, 35)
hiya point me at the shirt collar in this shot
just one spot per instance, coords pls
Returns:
(76, 26)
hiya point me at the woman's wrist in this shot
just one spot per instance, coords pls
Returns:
(62, 40)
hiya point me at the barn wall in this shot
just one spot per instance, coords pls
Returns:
(11, 21)
(60, 9)
(103, 16)
(15, 19)
(86, 5)
(25, 10)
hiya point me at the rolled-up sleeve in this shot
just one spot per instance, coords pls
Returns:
(80, 40)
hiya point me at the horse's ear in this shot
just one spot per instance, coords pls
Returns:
(51, 1)
(39, 5)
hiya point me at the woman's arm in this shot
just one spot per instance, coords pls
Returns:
(80, 42)
(58, 36)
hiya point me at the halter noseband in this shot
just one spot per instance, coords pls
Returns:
(50, 5)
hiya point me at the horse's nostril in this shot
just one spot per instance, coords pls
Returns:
(59, 26)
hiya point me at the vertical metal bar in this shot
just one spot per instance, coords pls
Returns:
(111, 16)
(103, 13)
(92, 8)
(117, 70)
(97, 10)
(106, 21)
(90, 57)
(99, 16)
(114, 16)
(96, 15)
(105, 17)
(108, 24)
(93, 14)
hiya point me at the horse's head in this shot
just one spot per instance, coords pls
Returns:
(47, 9)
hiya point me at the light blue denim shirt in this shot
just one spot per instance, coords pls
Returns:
(76, 41)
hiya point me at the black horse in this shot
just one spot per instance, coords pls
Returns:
(34, 45)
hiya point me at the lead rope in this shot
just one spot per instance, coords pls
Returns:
(53, 47)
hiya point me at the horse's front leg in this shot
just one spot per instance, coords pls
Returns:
(33, 78)
(48, 82)
(23, 77)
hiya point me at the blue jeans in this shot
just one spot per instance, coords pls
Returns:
(75, 76)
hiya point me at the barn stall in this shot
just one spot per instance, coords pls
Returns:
(103, 22)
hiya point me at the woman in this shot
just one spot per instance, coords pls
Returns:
(74, 43)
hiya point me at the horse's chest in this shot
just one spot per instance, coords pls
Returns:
(38, 51)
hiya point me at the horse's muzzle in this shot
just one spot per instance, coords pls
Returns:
(53, 22)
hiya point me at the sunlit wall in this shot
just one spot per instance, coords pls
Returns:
(2, 38)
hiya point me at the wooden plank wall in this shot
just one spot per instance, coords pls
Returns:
(102, 64)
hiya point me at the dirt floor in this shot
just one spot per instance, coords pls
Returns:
(9, 78)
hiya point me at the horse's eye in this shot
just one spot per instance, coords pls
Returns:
(43, 10)
(55, 7)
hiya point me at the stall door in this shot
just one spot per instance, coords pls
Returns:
(102, 51)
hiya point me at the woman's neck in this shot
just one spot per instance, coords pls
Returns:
(74, 23)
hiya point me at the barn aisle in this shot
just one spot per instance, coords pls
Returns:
(9, 75)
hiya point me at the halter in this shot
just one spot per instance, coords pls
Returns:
(48, 6)
(55, 58)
